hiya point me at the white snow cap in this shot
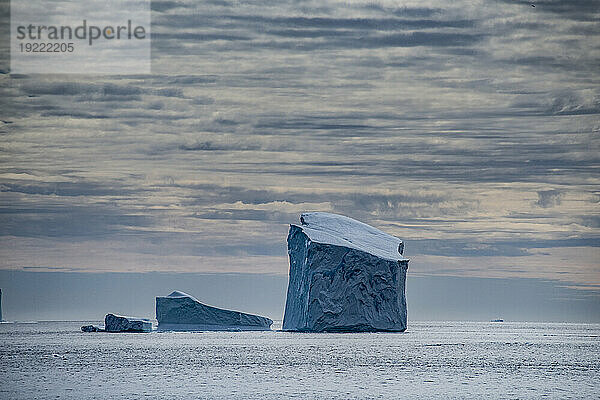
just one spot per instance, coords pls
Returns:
(327, 228)
(178, 294)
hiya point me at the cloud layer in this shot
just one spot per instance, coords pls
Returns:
(470, 130)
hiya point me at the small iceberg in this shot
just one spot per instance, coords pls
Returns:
(117, 323)
(90, 328)
(181, 312)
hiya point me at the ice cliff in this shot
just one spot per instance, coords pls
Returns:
(180, 311)
(345, 276)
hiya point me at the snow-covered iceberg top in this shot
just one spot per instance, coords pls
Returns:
(339, 230)
(176, 294)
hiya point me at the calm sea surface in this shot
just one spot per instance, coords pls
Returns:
(49, 360)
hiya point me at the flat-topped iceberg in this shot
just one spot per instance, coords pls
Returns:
(180, 311)
(117, 323)
(345, 276)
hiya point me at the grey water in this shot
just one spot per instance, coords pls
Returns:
(450, 360)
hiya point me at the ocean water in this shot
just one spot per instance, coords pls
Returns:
(449, 360)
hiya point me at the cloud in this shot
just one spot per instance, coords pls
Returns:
(581, 10)
(548, 198)
(377, 24)
(469, 130)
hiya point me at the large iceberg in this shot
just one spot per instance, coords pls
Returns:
(117, 323)
(180, 311)
(345, 276)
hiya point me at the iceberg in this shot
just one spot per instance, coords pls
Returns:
(345, 276)
(117, 323)
(90, 328)
(181, 312)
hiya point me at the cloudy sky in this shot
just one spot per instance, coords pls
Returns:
(470, 129)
